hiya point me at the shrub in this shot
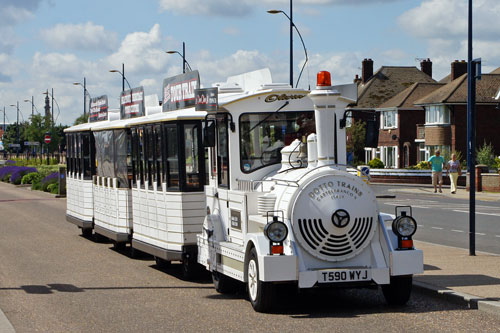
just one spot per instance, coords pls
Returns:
(376, 163)
(486, 155)
(53, 188)
(31, 177)
(6, 172)
(53, 178)
(497, 161)
(18, 174)
(424, 165)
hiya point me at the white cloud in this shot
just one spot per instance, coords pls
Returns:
(15, 11)
(232, 31)
(141, 52)
(443, 25)
(85, 36)
(244, 7)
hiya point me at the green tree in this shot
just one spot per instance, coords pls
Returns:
(10, 135)
(356, 143)
(82, 119)
(486, 155)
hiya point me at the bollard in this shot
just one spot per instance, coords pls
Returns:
(62, 181)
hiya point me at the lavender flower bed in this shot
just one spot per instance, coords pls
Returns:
(53, 177)
(18, 174)
(7, 170)
(10, 162)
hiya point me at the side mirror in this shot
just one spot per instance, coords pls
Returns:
(371, 137)
(209, 133)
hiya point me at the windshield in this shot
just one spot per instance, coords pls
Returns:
(263, 135)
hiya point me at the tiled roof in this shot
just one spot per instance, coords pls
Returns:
(455, 92)
(387, 82)
(495, 71)
(407, 97)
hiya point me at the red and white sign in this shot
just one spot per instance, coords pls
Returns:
(47, 139)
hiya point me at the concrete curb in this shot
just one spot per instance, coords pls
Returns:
(470, 301)
(5, 325)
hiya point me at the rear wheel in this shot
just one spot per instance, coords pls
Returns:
(261, 294)
(398, 291)
(119, 246)
(190, 268)
(87, 232)
(224, 284)
(162, 263)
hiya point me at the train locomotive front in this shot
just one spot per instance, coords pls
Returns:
(310, 224)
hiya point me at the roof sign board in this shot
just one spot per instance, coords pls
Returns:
(132, 103)
(178, 91)
(31, 143)
(207, 99)
(98, 108)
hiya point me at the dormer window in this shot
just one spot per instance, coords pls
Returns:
(437, 115)
(389, 119)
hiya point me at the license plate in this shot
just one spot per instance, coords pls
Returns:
(344, 275)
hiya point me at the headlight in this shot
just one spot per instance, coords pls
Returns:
(404, 226)
(276, 231)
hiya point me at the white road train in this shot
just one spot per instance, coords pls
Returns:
(278, 205)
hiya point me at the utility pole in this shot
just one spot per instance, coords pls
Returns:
(52, 95)
(84, 96)
(291, 44)
(123, 77)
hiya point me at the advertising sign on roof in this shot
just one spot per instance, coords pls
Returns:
(178, 91)
(207, 99)
(98, 108)
(132, 103)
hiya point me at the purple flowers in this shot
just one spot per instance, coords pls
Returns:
(10, 162)
(18, 174)
(54, 176)
(15, 173)
(6, 171)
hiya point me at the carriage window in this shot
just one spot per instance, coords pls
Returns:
(130, 164)
(68, 153)
(140, 147)
(79, 154)
(222, 152)
(151, 173)
(172, 156)
(158, 154)
(133, 133)
(86, 156)
(263, 135)
(192, 155)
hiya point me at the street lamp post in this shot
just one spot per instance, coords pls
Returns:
(33, 107)
(85, 93)
(292, 26)
(122, 73)
(17, 128)
(183, 55)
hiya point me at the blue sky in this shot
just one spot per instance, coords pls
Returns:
(52, 43)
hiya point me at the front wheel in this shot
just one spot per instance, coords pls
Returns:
(398, 291)
(261, 294)
(224, 284)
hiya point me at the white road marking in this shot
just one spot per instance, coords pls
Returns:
(437, 228)
(457, 230)
(497, 236)
(480, 234)
(480, 213)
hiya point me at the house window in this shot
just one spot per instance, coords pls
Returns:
(389, 156)
(389, 119)
(421, 152)
(431, 150)
(437, 114)
(348, 119)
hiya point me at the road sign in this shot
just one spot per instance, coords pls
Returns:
(47, 138)
(31, 143)
(14, 145)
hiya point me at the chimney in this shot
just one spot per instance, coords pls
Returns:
(356, 80)
(367, 70)
(426, 66)
(458, 68)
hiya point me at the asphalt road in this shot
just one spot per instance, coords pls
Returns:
(53, 280)
(445, 220)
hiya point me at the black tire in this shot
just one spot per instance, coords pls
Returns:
(87, 232)
(398, 291)
(224, 284)
(119, 246)
(162, 263)
(261, 294)
(190, 268)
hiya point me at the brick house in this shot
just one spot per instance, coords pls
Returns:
(446, 115)
(374, 89)
(399, 143)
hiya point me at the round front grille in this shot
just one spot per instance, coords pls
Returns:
(334, 217)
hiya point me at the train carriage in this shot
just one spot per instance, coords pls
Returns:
(168, 198)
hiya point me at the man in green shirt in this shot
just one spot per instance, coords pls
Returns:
(437, 162)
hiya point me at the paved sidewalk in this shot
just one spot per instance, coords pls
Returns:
(450, 272)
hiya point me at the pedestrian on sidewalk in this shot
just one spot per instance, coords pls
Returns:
(437, 162)
(454, 170)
